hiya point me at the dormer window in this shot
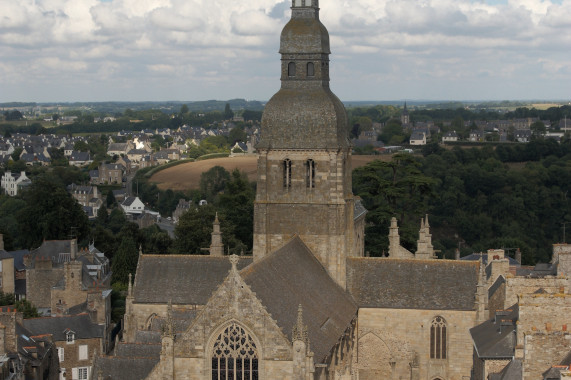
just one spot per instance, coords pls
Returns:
(70, 337)
(291, 69)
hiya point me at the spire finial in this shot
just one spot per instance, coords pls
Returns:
(299, 331)
(130, 286)
(168, 329)
(234, 259)
(140, 249)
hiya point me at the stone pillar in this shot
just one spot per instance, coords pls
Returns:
(129, 322)
(216, 246)
(167, 351)
(394, 238)
(303, 366)
(518, 255)
(1, 242)
(481, 296)
(73, 249)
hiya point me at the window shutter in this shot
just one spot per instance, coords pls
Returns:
(74, 374)
(83, 352)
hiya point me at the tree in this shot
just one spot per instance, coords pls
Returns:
(193, 230)
(124, 260)
(391, 129)
(81, 146)
(110, 200)
(25, 307)
(538, 128)
(102, 215)
(237, 134)
(228, 114)
(51, 213)
(213, 181)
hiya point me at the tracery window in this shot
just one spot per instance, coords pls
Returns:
(291, 69)
(310, 174)
(287, 173)
(235, 355)
(310, 69)
(438, 338)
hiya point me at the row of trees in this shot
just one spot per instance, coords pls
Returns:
(513, 197)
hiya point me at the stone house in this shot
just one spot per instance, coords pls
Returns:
(476, 136)
(109, 174)
(23, 354)
(80, 158)
(77, 341)
(182, 207)
(59, 278)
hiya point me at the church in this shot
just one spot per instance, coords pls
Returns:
(308, 304)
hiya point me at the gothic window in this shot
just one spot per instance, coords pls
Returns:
(287, 173)
(310, 69)
(291, 69)
(235, 355)
(297, 3)
(310, 175)
(438, 338)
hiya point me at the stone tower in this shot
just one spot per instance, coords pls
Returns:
(304, 164)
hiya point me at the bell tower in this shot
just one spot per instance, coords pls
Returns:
(304, 164)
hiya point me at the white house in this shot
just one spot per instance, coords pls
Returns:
(450, 136)
(133, 205)
(418, 138)
(12, 182)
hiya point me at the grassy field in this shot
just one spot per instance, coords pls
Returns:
(187, 176)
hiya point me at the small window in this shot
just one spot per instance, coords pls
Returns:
(310, 69)
(82, 373)
(287, 173)
(310, 174)
(291, 69)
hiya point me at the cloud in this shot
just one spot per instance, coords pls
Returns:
(196, 48)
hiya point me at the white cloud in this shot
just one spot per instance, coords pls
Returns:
(201, 45)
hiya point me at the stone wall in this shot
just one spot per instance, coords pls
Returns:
(8, 319)
(71, 293)
(39, 283)
(516, 286)
(7, 275)
(390, 339)
(544, 321)
(71, 354)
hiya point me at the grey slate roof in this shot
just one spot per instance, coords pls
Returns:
(412, 284)
(495, 338)
(291, 276)
(19, 258)
(183, 279)
(80, 324)
(52, 249)
(484, 257)
(138, 350)
(122, 368)
(540, 270)
(513, 371)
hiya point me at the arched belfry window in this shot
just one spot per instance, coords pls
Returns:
(310, 69)
(235, 355)
(291, 69)
(310, 173)
(287, 173)
(438, 338)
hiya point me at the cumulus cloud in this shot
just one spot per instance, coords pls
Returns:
(191, 49)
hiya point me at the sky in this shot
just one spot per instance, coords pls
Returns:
(190, 50)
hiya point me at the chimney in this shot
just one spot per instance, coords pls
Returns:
(518, 255)
(73, 250)
(1, 242)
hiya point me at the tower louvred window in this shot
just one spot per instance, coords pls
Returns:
(291, 69)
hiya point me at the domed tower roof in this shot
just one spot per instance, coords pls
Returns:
(304, 113)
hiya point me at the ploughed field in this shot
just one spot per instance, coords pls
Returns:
(187, 176)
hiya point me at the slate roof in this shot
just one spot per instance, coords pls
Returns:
(484, 257)
(291, 276)
(495, 338)
(121, 368)
(540, 270)
(52, 249)
(412, 284)
(183, 279)
(80, 324)
(138, 350)
(513, 371)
